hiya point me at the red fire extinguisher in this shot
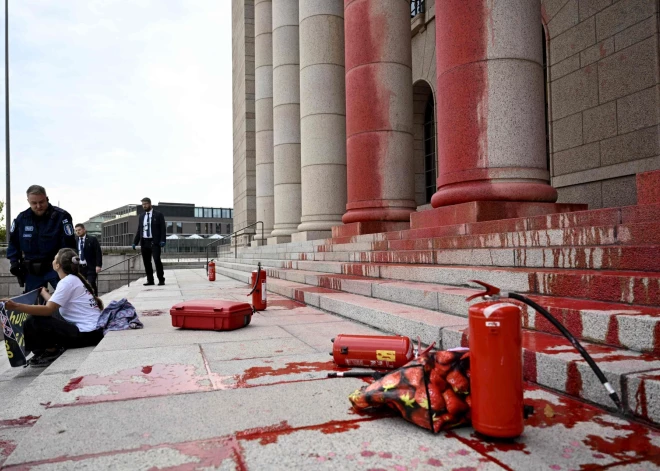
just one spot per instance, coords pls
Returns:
(372, 351)
(211, 270)
(496, 381)
(258, 292)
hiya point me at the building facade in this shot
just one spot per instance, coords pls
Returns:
(367, 111)
(181, 220)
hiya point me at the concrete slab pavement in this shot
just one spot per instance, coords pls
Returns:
(259, 398)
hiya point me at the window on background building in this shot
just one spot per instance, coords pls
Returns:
(208, 212)
(217, 213)
(231, 213)
(170, 227)
(198, 212)
(228, 228)
(218, 228)
(198, 228)
(225, 213)
(179, 228)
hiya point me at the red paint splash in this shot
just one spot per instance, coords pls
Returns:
(147, 381)
(270, 434)
(289, 369)
(25, 421)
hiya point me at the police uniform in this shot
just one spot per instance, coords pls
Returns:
(35, 240)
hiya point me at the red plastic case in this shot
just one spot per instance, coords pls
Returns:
(211, 314)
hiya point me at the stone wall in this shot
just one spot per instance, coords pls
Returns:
(603, 93)
(243, 114)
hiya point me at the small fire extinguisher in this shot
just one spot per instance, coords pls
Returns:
(211, 270)
(496, 382)
(259, 301)
(372, 351)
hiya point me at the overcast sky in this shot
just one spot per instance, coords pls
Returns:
(114, 100)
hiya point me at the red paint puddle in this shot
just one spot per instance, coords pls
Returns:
(25, 421)
(270, 434)
(290, 368)
(7, 447)
(286, 304)
(152, 313)
(147, 381)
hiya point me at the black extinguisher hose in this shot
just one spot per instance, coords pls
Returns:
(256, 283)
(590, 361)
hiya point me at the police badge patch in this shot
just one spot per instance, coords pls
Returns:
(13, 225)
(68, 229)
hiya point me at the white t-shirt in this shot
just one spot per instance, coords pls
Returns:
(77, 305)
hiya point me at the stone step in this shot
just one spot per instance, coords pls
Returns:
(619, 325)
(626, 287)
(549, 360)
(27, 392)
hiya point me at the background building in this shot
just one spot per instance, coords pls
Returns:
(182, 220)
(567, 103)
(94, 225)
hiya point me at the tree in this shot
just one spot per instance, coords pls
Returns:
(3, 229)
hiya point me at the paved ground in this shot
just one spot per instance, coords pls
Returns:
(258, 398)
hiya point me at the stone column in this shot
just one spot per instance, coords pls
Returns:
(286, 120)
(322, 118)
(263, 64)
(379, 112)
(491, 119)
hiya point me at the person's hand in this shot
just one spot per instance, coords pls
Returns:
(162, 244)
(15, 269)
(9, 304)
(133, 246)
(98, 269)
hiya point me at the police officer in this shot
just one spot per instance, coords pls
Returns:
(36, 236)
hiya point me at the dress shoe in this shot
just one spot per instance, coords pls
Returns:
(161, 283)
(148, 283)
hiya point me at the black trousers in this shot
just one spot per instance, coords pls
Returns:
(149, 249)
(42, 332)
(90, 276)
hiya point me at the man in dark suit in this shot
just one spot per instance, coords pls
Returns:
(91, 256)
(150, 234)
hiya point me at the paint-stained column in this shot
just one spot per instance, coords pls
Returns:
(263, 64)
(379, 111)
(286, 119)
(491, 118)
(323, 117)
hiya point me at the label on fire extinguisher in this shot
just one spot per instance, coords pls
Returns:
(263, 292)
(492, 324)
(386, 355)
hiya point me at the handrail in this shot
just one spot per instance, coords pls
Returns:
(123, 261)
(230, 236)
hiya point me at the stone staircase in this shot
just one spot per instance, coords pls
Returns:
(598, 271)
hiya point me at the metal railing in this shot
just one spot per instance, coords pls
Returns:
(123, 261)
(416, 7)
(232, 236)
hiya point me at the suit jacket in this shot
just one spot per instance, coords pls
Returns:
(92, 251)
(157, 228)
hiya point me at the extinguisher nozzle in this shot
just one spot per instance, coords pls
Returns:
(332, 375)
(332, 340)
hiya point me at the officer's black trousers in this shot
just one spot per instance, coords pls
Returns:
(149, 249)
(42, 332)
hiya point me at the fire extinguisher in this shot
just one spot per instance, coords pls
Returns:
(372, 351)
(211, 270)
(496, 382)
(258, 292)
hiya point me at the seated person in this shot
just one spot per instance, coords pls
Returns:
(50, 336)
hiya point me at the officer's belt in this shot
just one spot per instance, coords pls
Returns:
(38, 267)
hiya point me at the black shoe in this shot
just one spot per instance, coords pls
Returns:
(45, 359)
(161, 283)
(149, 283)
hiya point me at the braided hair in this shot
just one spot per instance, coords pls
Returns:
(70, 262)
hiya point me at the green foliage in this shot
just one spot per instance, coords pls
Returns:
(3, 228)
